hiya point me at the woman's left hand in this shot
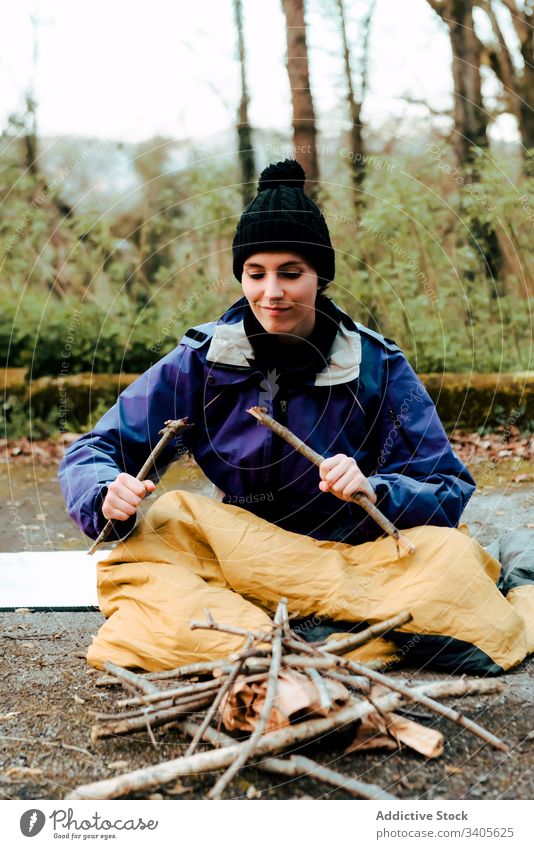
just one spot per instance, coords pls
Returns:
(341, 476)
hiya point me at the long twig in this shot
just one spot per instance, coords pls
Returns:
(226, 688)
(413, 695)
(325, 699)
(204, 667)
(211, 625)
(176, 694)
(130, 679)
(315, 458)
(346, 644)
(274, 741)
(295, 766)
(171, 429)
(272, 686)
(139, 723)
(54, 743)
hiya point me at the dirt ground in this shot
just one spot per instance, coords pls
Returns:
(48, 695)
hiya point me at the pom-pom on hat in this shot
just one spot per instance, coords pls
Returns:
(282, 217)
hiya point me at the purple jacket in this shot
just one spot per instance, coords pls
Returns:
(367, 403)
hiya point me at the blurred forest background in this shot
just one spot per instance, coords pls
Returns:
(432, 217)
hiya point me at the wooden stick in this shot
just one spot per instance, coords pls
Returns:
(149, 710)
(130, 679)
(178, 693)
(226, 688)
(41, 742)
(171, 429)
(153, 776)
(138, 723)
(357, 682)
(211, 625)
(325, 699)
(296, 765)
(464, 687)
(412, 695)
(315, 458)
(352, 641)
(272, 686)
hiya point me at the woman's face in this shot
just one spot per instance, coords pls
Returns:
(281, 289)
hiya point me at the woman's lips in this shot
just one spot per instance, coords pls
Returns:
(276, 310)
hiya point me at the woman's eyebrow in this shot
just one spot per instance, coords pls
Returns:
(284, 264)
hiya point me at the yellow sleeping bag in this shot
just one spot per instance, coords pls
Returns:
(190, 553)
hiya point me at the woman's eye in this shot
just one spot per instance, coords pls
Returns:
(289, 275)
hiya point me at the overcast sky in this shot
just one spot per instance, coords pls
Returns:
(130, 70)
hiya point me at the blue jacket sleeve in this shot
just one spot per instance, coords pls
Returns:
(418, 480)
(122, 440)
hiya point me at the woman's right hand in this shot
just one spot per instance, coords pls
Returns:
(124, 496)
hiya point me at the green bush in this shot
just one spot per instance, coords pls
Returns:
(120, 288)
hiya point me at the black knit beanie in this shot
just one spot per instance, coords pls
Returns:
(282, 217)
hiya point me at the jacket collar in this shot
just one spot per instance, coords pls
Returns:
(230, 347)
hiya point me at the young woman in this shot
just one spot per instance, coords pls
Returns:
(348, 393)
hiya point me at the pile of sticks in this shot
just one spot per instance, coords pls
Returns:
(265, 654)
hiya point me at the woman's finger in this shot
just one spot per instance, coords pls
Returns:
(113, 506)
(116, 515)
(131, 483)
(346, 481)
(330, 462)
(124, 494)
(340, 469)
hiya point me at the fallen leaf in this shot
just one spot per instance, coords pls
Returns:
(10, 715)
(78, 700)
(118, 765)
(453, 770)
(372, 734)
(426, 741)
(388, 731)
(297, 697)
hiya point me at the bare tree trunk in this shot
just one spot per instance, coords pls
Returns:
(304, 126)
(28, 124)
(523, 21)
(517, 83)
(470, 119)
(469, 115)
(356, 143)
(244, 130)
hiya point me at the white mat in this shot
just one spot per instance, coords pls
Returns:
(49, 579)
